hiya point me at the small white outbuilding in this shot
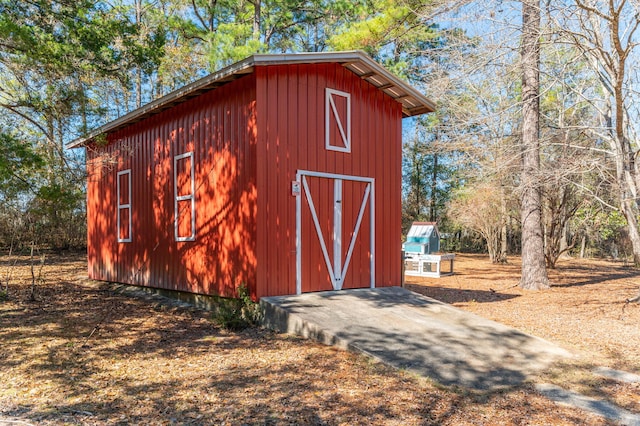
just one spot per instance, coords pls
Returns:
(420, 258)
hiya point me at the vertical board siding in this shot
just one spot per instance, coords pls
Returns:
(249, 139)
(290, 96)
(219, 127)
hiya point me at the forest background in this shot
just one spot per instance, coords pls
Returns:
(68, 66)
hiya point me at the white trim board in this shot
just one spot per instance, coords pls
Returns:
(126, 206)
(184, 197)
(342, 122)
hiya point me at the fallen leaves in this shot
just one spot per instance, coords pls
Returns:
(86, 355)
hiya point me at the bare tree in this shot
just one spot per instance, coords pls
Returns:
(4, 280)
(606, 32)
(485, 98)
(479, 209)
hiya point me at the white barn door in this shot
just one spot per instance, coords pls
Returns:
(335, 232)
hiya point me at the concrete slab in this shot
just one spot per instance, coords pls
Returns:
(416, 333)
(595, 406)
(13, 421)
(621, 376)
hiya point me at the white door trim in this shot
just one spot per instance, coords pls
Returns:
(337, 232)
(336, 269)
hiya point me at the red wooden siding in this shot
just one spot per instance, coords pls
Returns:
(235, 151)
(290, 100)
(219, 128)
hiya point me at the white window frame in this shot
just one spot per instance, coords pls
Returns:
(124, 206)
(332, 110)
(179, 198)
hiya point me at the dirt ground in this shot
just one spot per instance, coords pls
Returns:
(584, 311)
(83, 354)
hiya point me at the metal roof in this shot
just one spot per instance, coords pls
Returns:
(422, 230)
(413, 102)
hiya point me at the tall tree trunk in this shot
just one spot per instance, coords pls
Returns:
(434, 188)
(418, 188)
(534, 272)
(256, 18)
(564, 239)
(625, 161)
(630, 212)
(138, 6)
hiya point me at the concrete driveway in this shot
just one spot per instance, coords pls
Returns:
(414, 332)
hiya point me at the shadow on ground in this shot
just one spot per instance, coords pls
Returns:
(82, 355)
(416, 333)
(454, 295)
(88, 355)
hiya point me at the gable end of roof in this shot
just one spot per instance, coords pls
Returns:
(413, 102)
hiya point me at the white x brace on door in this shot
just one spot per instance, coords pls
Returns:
(336, 260)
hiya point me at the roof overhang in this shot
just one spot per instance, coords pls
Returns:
(413, 102)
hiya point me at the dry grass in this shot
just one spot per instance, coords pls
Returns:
(87, 355)
(585, 311)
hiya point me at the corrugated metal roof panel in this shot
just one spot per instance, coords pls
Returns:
(413, 102)
(420, 231)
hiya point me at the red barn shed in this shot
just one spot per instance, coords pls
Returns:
(280, 172)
